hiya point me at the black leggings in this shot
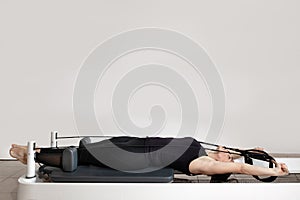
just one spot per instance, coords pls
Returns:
(131, 153)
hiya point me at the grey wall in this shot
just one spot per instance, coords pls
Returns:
(255, 45)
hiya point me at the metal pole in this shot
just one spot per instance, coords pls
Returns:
(30, 174)
(53, 142)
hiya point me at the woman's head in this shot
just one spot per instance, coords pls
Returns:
(222, 155)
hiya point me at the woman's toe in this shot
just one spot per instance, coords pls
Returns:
(11, 153)
(14, 154)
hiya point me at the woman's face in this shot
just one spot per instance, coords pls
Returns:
(222, 156)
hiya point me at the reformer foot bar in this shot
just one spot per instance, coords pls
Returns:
(32, 187)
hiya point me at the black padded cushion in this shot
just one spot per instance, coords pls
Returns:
(69, 159)
(93, 174)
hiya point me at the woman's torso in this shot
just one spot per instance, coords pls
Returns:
(176, 153)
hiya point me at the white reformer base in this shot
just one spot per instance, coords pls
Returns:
(150, 191)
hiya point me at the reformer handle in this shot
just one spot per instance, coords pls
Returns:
(265, 157)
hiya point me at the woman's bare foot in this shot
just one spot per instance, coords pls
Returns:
(19, 152)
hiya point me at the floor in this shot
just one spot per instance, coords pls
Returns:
(11, 170)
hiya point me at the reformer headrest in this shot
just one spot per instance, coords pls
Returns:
(70, 159)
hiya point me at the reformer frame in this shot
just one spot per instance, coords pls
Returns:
(31, 187)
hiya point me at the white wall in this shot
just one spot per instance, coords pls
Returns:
(255, 45)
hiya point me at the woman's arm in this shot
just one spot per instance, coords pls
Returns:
(209, 166)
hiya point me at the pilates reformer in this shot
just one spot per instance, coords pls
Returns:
(113, 184)
(97, 174)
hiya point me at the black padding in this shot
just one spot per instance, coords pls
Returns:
(220, 178)
(70, 159)
(93, 174)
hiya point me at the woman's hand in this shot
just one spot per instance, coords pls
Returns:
(281, 169)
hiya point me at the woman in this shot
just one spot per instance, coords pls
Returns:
(132, 153)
